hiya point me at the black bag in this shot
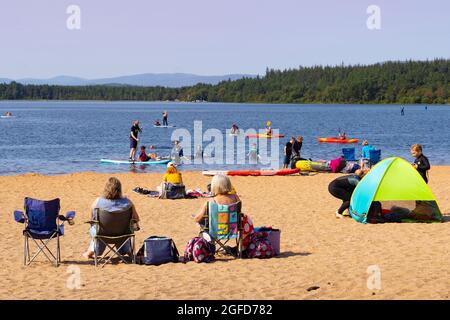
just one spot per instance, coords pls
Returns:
(172, 191)
(157, 250)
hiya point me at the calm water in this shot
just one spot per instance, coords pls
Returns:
(60, 137)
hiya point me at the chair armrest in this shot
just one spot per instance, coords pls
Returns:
(19, 216)
(70, 215)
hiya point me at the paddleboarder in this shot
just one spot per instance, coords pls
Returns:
(165, 115)
(135, 129)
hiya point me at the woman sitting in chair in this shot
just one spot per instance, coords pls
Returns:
(112, 200)
(223, 194)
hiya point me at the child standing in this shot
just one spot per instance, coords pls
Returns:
(421, 162)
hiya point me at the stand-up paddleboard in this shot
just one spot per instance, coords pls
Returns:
(254, 173)
(7, 117)
(337, 140)
(162, 161)
(266, 136)
(169, 126)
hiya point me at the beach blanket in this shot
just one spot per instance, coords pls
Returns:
(190, 194)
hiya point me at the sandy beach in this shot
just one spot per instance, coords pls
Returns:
(317, 249)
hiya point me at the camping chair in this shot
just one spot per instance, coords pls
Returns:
(349, 154)
(42, 224)
(113, 230)
(224, 223)
(374, 157)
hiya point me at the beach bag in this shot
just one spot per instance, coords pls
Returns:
(157, 250)
(172, 191)
(337, 164)
(199, 249)
(260, 246)
(274, 237)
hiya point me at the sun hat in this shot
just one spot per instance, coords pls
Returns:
(171, 164)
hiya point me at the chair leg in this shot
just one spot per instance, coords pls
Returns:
(133, 243)
(95, 253)
(58, 257)
(26, 254)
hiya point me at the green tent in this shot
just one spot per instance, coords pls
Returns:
(399, 188)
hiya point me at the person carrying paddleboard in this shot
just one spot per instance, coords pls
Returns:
(135, 129)
(165, 115)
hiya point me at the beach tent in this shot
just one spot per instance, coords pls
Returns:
(398, 186)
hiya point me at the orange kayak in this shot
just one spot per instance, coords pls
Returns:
(337, 140)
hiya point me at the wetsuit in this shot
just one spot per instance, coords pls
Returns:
(342, 188)
(423, 165)
(287, 157)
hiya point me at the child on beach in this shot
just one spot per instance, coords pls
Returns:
(421, 162)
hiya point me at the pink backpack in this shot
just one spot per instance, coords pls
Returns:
(199, 250)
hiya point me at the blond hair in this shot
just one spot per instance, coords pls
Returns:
(417, 147)
(220, 184)
(113, 189)
(171, 169)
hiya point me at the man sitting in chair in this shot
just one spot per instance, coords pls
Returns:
(112, 200)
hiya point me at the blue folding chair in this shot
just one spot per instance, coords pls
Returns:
(349, 154)
(224, 223)
(42, 224)
(374, 156)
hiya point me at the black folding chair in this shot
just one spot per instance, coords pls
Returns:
(113, 230)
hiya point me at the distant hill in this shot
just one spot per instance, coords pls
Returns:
(170, 80)
(403, 82)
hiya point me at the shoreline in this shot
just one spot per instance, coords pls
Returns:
(243, 103)
(37, 174)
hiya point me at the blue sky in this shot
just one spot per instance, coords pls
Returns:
(211, 37)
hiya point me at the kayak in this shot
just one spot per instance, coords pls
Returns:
(263, 135)
(155, 126)
(337, 140)
(255, 173)
(163, 161)
(306, 165)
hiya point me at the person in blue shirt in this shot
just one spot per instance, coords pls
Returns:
(365, 151)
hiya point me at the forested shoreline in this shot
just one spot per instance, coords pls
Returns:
(407, 82)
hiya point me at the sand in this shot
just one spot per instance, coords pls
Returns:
(317, 249)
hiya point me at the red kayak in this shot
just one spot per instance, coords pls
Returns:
(337, 140)
(281, 172)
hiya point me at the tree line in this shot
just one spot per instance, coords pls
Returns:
(406, 82)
